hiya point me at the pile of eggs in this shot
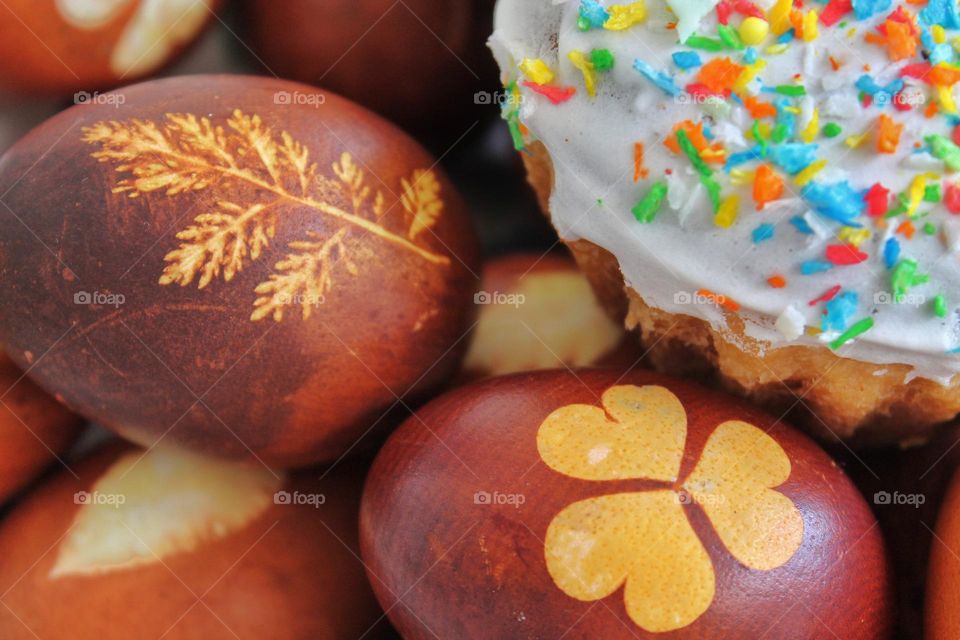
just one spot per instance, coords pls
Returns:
(260, 285)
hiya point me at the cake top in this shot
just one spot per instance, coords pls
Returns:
(793, 161)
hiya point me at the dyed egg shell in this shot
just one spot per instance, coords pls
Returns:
(170, 544)
(600, 505)
(539, 312)
(64, 46)
(419, 62)
(942, 616)
(34, 429)
(216, 265)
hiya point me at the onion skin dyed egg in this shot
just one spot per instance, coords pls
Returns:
(34, 429)
(942, 619)
(58, 47)
(539, 312)
(219, 265)
(165, 543)
(598, 504)
(420, 63)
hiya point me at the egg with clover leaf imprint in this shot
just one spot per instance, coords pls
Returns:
(592, 504)
(62, 46)
(217, 264)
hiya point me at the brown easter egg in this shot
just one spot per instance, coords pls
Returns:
(34, 429)
(538, 312)
(942, 619)
(65, 46)
(212, 264)
(419, 62)
(169, 544)
(595, 504)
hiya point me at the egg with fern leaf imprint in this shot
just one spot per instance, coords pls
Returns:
(243, 266)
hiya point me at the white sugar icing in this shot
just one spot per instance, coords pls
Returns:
(666, 261)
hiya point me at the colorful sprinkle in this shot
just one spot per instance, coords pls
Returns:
(863, 9)
(556, 95)
(838, 201)
(727, 212)
(601, 59)
(592, 15)
(622, 17)
(944, 149)
(810, 267)
(687, 59)
(639, 171)
(793, 157)
(801, 225)
(905, 277)
(832, 130)
(767, 186)
(702, 42)
(951, 198)
(719, 74)
(718, 299)
(845, 254)
(810, 172)
(537, 71)
(940, 306)
(646, 210)
(763, 232)
(888, 134)
(891, 252)
(754, 30)
(659, 78)
(858, 329)
(826, 296)
(878, 200)
(839, 311)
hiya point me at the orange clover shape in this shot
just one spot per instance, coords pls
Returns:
(643, 540)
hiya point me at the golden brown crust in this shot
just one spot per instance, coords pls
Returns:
(832, 396)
